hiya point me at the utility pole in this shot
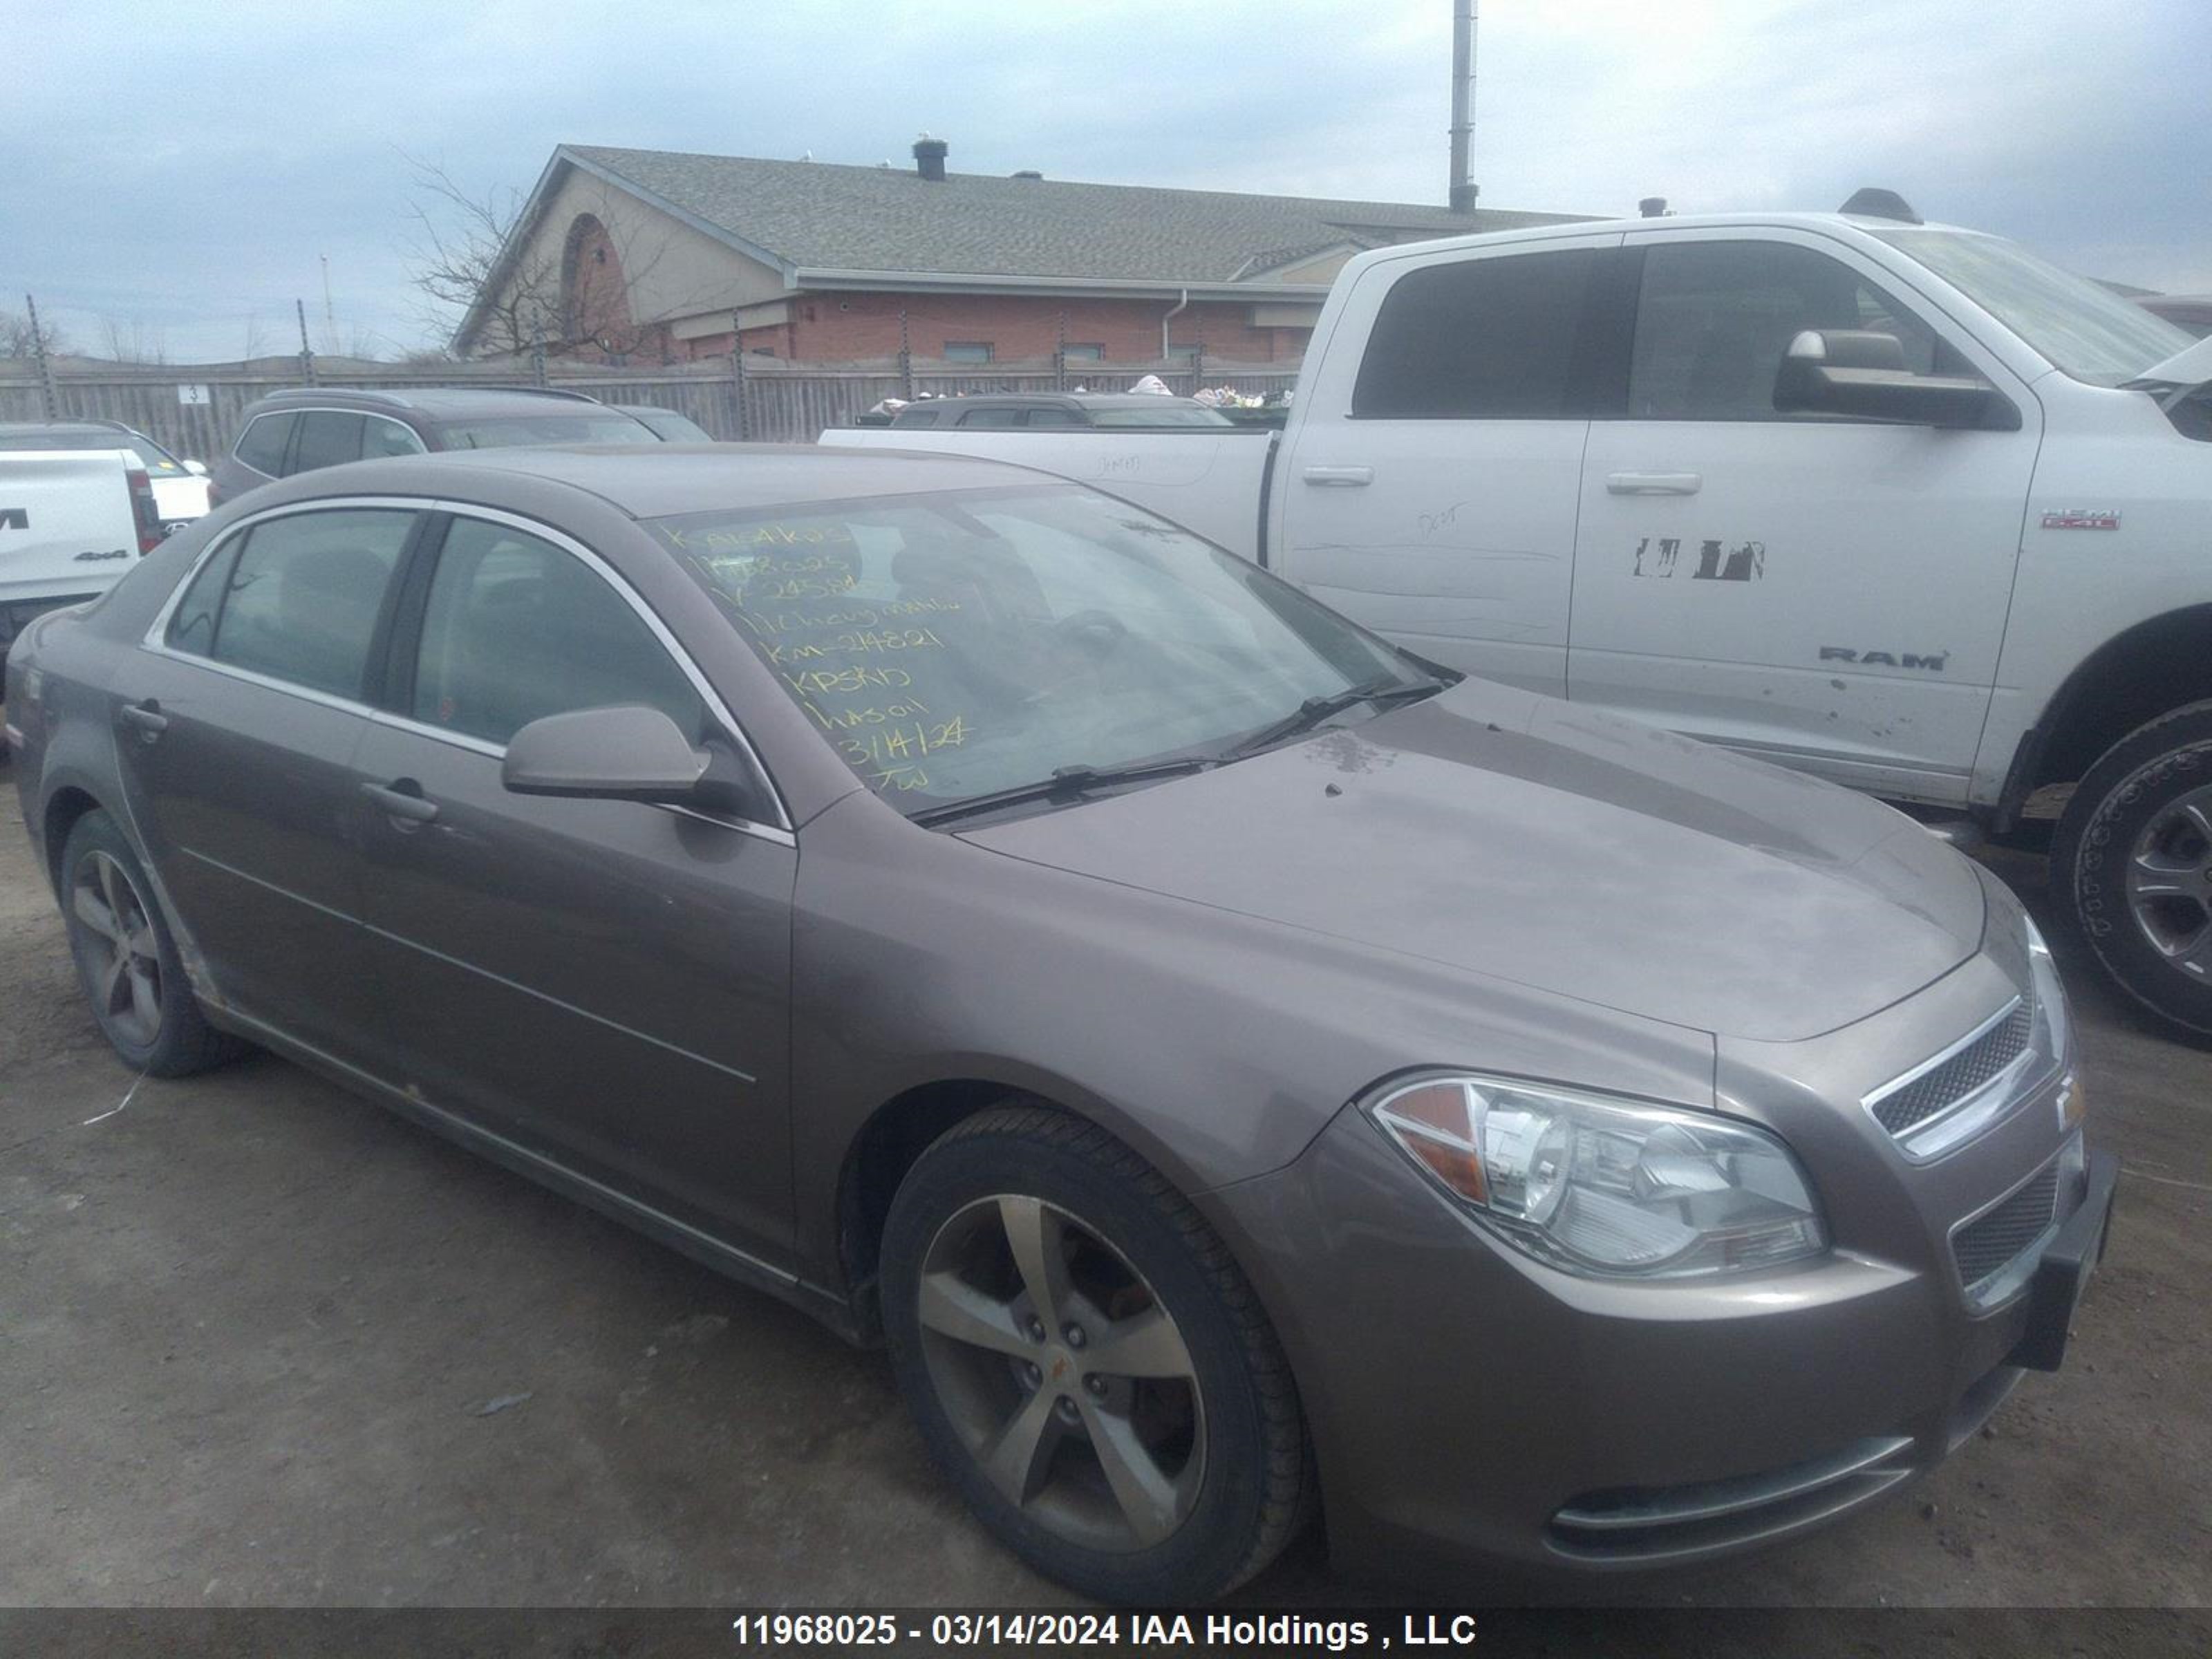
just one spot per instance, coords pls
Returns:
(1463, 190)
(330, 317)
(48, 400)
(306, 351)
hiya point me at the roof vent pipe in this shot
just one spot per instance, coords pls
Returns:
(929, 157)
(1652, 207)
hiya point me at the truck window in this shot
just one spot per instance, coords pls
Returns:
(1713, 319)
(1497, 338)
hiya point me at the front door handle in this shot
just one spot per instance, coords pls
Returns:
(1653, 483)
(147, 716)
(401, 803)
(1343, 478)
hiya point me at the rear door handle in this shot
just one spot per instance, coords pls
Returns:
(1653, 483)
(1343, 478)
(400, 804)
(147, 716)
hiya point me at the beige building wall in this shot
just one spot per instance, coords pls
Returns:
(673, 270)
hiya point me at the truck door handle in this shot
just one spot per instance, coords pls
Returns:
(1343, 478)
(1653, 483)
(147, 716)
(402, 803)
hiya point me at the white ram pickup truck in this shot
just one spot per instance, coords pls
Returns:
(1896, 503)
(71, 522)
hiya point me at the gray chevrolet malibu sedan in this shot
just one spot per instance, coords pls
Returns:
(1240, 1070)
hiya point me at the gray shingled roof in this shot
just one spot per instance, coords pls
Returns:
(816, 214)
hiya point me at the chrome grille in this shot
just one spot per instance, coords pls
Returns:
(1991, 1241)
(1945, 1085)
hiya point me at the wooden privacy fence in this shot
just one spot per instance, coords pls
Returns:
(194, 410)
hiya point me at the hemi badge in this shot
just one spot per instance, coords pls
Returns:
(2082, 518)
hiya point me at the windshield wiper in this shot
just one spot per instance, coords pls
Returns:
(1314, 710)
(1066, 783)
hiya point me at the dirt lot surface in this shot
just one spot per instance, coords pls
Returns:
(263, 1344)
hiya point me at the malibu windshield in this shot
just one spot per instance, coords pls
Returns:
(957, 645)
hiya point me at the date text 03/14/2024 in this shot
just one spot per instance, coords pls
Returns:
(942, 1631)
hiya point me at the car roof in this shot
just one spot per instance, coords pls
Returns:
(437, 403)
(658, 481)
(11, 428)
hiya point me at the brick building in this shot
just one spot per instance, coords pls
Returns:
(654, 256)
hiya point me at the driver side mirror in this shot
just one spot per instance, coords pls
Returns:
(197, 469)
(628, 752)
(1862, 374)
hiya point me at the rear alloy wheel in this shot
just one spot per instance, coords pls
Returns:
(1087, 1363)
(2133, 858)
(126, 961)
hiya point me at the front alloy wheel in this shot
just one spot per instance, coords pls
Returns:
(1087, 1363)
(1063, 1377)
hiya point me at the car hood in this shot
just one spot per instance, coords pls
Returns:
(1519, 837)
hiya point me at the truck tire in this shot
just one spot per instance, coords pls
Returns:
(2132, 862)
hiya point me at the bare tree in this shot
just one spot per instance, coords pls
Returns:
(257, 339)
(133, 342)
(457, 256)
(17, 340)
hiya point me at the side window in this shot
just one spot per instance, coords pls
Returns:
(1714, 319)
(1001, 416)
(1498, 338)
(261, 445)
(381, 437)
(192, 625)
(304, 594)
(1054, 415)
(327, 438)
(516, 629)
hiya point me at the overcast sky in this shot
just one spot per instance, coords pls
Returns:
(179, 170)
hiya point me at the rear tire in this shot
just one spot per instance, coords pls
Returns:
(1165, 1484)
(2132, 861)
(127, 960)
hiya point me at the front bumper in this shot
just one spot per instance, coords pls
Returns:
(1472, 1407)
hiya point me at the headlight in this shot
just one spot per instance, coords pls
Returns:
(1603, 1186)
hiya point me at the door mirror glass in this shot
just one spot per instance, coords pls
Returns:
(629, 752)
(1862, 374)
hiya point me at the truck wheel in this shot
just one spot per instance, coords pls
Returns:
(1088, 1365)
(2133, 860)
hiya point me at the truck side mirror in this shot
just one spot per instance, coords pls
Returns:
(1862, 374)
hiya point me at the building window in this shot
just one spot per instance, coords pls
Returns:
(967, 351)
(1084, 354)
(1182, 353)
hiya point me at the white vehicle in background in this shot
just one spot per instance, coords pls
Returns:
(1897, 504)
(180, 488)
(71, 522)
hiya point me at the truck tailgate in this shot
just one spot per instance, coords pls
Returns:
(1208, 481)
(66, 526)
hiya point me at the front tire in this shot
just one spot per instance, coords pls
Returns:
(2132, 859)
(126, 961)
(1087, 1364)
